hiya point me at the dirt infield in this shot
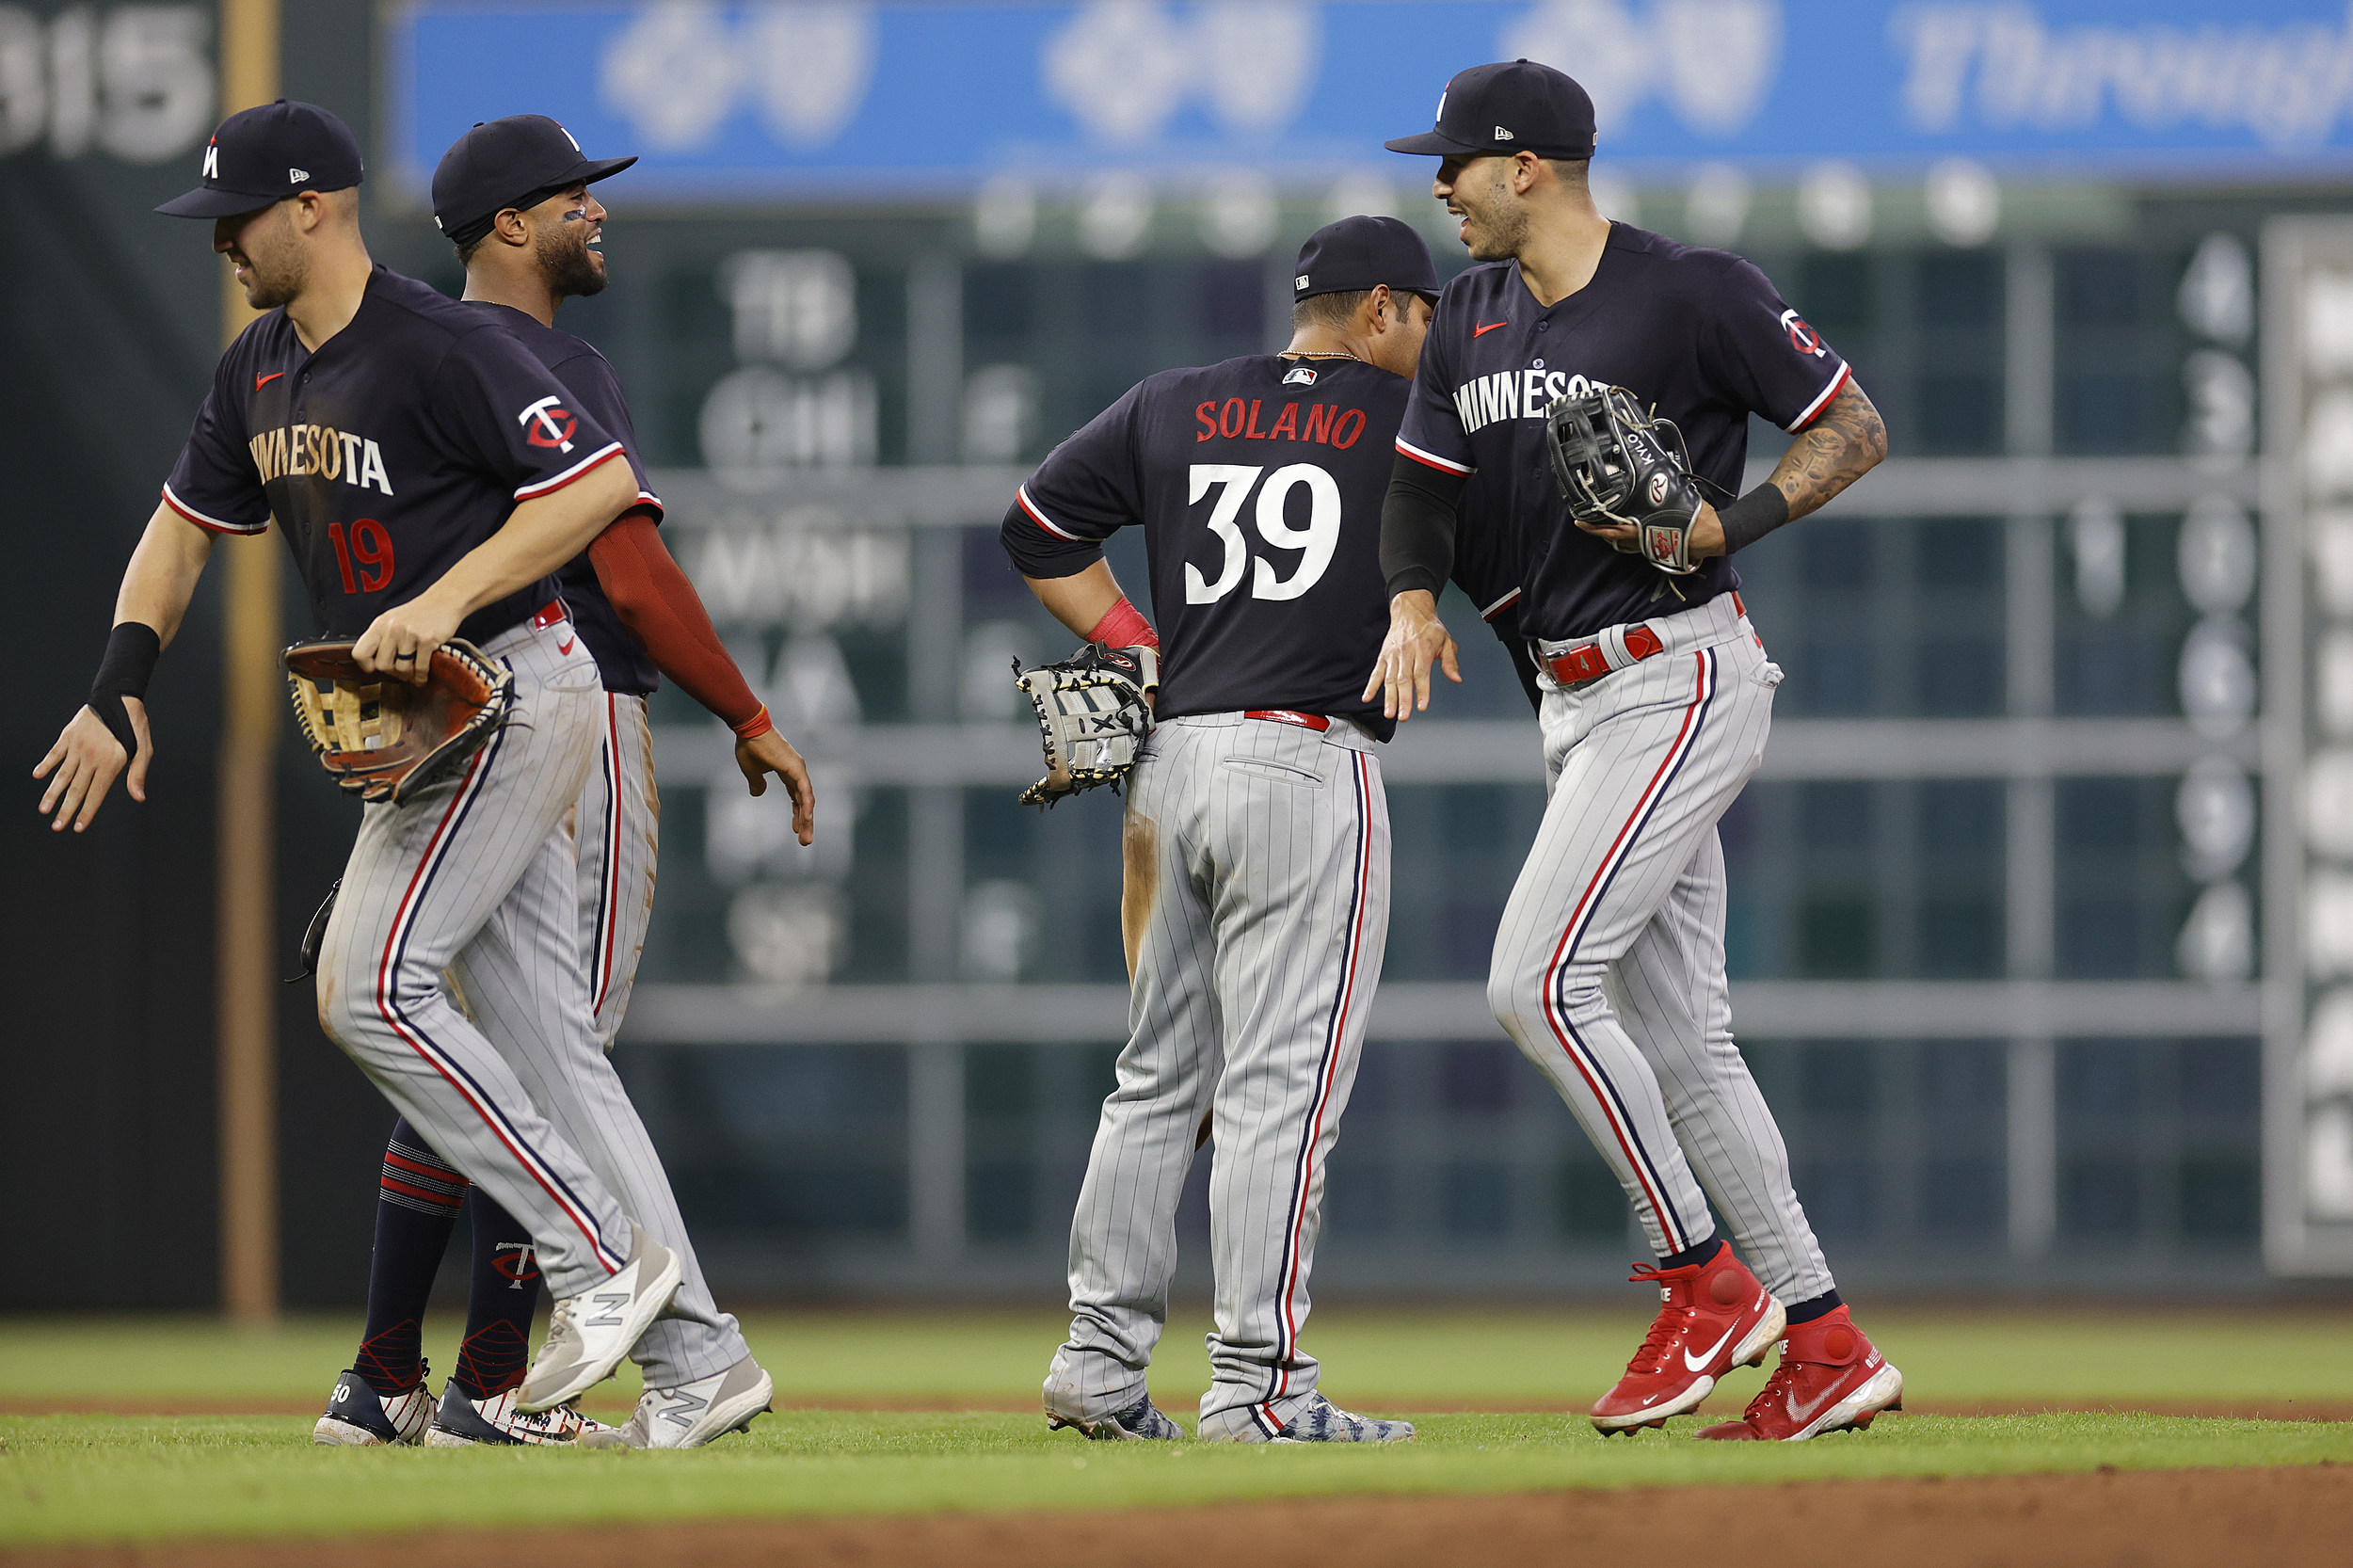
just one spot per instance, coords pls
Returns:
(2280, 1518)
(2281, 1408)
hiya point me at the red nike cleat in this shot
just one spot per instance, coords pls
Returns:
(1830, 1378)
(1716, 1317)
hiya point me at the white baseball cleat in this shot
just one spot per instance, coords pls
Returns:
(693, 1414)
(466, 1423)
(360, 1417)
(588, 1334)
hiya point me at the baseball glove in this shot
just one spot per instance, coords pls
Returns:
(1092, 711)
(382, 739)
(1615, 464)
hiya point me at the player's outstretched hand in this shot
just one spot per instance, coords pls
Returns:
(402, 640)
(771, 753)
(85, 762)
(1401, 679)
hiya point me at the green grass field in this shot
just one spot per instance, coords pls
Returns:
(77, 1478)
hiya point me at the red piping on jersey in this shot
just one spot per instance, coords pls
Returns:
(1821, 399)
(1431, 459)
(609, 901)
(1022, 495)
(215, 525)
(1491, 610)
(550, 486)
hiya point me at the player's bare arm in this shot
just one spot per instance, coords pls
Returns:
(86, 758)
(1848, 441)
(1079, 601)
(541, 534)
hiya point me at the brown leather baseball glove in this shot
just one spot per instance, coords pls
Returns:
(382, 739)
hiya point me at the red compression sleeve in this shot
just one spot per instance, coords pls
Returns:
(1124, 625)
(661, 610)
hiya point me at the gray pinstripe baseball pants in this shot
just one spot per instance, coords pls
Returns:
(479, 877)
(1625, 886)
(1258, 861)
(618, 832)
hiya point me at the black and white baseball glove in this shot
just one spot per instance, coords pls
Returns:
(1618, 465)
(1093, 713)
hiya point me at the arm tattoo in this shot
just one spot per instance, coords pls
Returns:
(1843, 445)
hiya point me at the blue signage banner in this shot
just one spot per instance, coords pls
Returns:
(886, 101)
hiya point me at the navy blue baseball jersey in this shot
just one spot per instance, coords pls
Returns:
(1698, 334)
(1259, 482)
(399, 446)
(597, 393)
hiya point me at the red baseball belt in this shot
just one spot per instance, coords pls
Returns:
(1283, 716)
(1614, 650)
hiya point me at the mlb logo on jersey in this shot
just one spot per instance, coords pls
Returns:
(1304, 376)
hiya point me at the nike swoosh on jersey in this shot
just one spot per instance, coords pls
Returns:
(564, 647)
(261, 381)
(1483, 331)
(1700, 1365)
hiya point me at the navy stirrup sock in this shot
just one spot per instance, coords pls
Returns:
(416, 1208)
(503, 1292)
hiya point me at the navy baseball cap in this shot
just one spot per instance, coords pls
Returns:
(1355, 253)
(517, 161)
(1514, 106)
(258, 157)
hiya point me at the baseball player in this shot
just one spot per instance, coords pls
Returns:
(430, 475)
(1657, 698)
(1257, 831)
(513, 196)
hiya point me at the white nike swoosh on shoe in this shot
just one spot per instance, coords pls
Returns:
(1700, 1365)
(1801, 1416)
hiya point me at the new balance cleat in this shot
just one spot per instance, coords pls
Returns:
(360, 1417)
(1141, 1420)
(1831, 1378)
(1715, 1316)
(588, 1334)
(693, 1414)
(464, 1423)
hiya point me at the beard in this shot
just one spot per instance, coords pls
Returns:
(1498, 232)
(573, 270)
(276, 266)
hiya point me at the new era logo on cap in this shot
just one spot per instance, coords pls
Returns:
(1502, 135)
(295, 176)
(1300, 282)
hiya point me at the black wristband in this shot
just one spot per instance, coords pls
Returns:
(1753, 516)
(132, 649)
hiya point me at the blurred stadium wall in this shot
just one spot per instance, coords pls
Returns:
(2036, 901)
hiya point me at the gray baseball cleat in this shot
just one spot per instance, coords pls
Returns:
(1319, 1422)
(1141, 1421)
(588, 1334)
(692, 1414)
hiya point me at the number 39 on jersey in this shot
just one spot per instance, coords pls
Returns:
(1305, 550)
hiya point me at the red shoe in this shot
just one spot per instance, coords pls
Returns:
(1830, 1378)
(1716, 1317)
